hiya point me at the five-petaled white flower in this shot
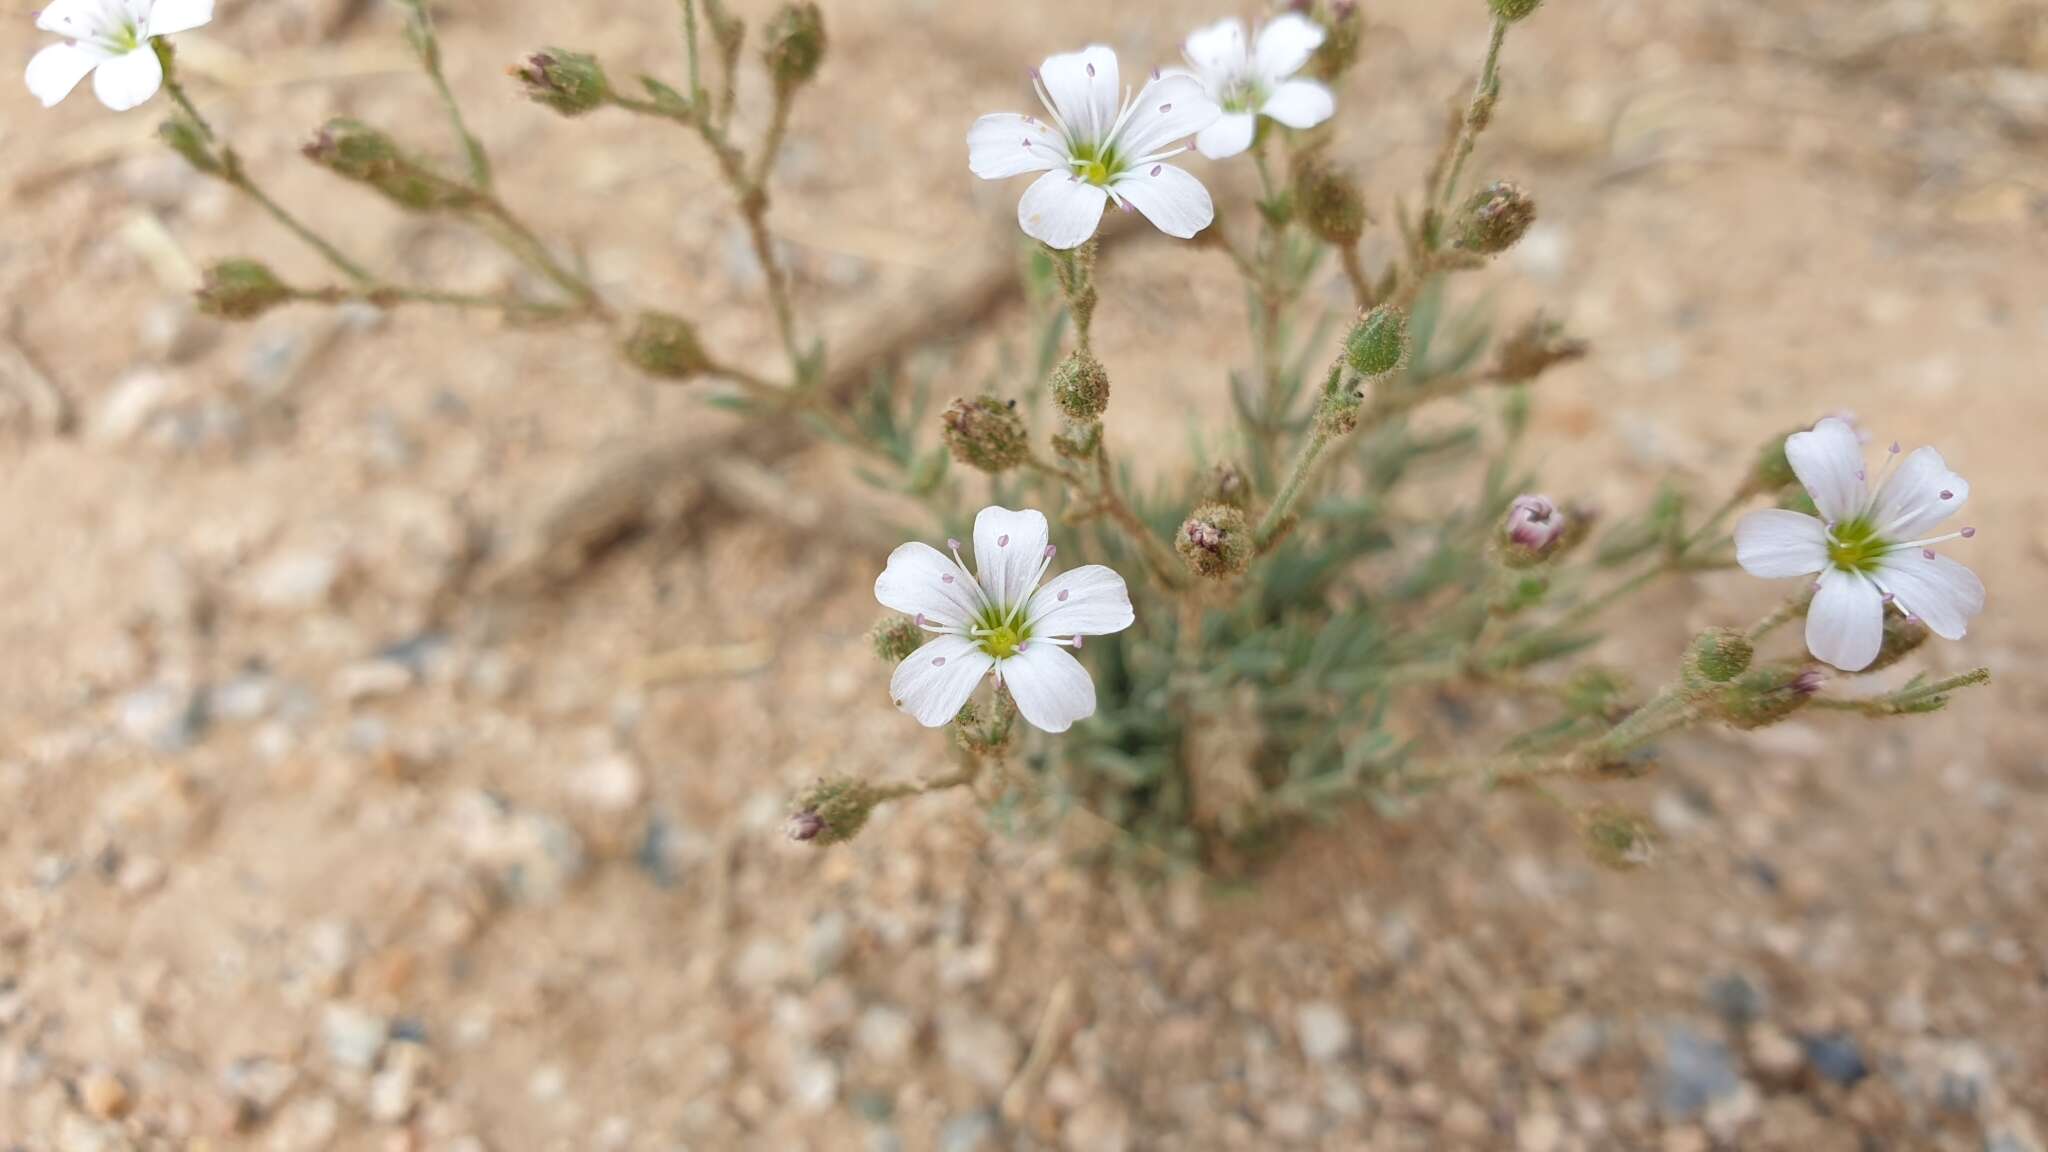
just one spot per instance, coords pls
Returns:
(1257, 82)
(1003, 621)
(1869, 548)
(111, 40)
(1101, 146)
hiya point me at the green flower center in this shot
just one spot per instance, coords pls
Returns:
(998, 636)
(1096, 163)
(1854, 546)
(1243, 95)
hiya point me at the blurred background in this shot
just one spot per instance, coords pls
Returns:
(398, 711)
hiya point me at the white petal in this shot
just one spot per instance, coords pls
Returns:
(1229, 135)
(1061, 211)
(1845, 623)
(78, 19)
(1938, 590)
(169, 16)
(57, 69)
(1009, 547)
(1006, 144)
(934, 681)
(1286, 44)
(128, 80)
(1920, 493)
(1776, 544)
(1300, 104)
(1173, 200)
(1218, 49)
(1085, 89)
(1088, 601)
(920, 579)
(1051, 688)
(1169, 110)
(1829, 461)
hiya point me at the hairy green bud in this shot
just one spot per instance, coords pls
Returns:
(987, 433)
(1717, 656)
(1534, 348)
(666, 346)
(796, 45)
(1495, 218)
(832, 811)
(183, 135)
(1378, 344)
(1328, 200)
(1216, 542)
(355, 151)
(1772, 471)
(571, 83)
(1619, 838)
(1228, 484)
(895, 638)
(242, 290)
(1761, 697)
(1513, 10)
(1080, 386)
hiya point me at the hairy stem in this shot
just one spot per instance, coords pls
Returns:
(1477, 114)
(238, 178)
(420, 30)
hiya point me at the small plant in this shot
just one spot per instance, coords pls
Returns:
(1226, 651)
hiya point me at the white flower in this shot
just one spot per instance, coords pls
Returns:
(1003, 621)
(1870, 549)
(110, 39)
(1259, 82)
(1101, 146)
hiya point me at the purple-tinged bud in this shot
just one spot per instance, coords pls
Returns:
(1495, 218)
(242, 290)
(356, 151)
(986, 433)
(1761, 697)
(804, 827)
(1533, 532)
(1215, 542)
(571, 83)
(832, 811)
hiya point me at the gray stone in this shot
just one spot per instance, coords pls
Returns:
(1696, 1072)
(1323, 1031)
(354, 1037)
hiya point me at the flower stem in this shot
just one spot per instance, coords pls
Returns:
(1790, 610)
(420, 31)
(1275, 520)
(522, 242)
(238, 178)
(1477, 114)
(1910, 700)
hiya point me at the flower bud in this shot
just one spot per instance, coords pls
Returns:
(1717, 656)
(1229, 485)
(183, 135)
(831, 811)
(1343, 29)
(1378, 344)
(1763, 696)
(987, 433)
(896, 637)
(242, 290)
(1513, 10)
(1902, 636)
(1619, 838)
(796, 45)
(1080, 386)
(1534, 531)
(571, 83)
(1495, 218)
(666, 346)
(1534, 348)
(1327, 199)
(355, 151)
(1772, 471)
(1216, 542)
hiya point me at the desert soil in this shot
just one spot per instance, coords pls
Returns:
(325, 824)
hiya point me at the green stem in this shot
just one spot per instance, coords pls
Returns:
(1276, 517)
(529, 248)
(238, 178)
(1908, 700)
(1790, 610)
(690, 35)
(428, 47)
(1477, 114)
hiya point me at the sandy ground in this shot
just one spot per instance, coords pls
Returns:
(310, 843)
